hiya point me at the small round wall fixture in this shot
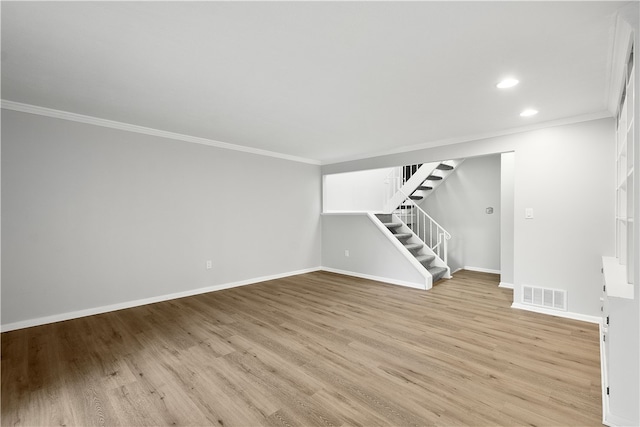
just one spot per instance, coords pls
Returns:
(507, 83)
(528, 112)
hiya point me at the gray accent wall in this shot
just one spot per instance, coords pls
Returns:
(93, 216)
(459, 204)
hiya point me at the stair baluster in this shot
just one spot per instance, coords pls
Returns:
(425, 227)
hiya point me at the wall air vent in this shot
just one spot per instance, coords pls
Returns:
(555, 299)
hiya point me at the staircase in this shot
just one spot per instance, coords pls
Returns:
(415, 246)
(421, 235)
(416, 182)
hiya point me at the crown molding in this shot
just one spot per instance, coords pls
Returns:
(474, 137)
(623, 38)
(65, 115)
(80, 118)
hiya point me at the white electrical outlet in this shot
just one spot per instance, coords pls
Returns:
(346, 253)
(209, 265)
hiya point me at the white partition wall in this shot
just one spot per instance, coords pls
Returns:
(360, 191)
(507, 217)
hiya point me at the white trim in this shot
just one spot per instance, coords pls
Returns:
(376, 278)
(565, 314)
(481, 269)
(474, 137)
(608, 418)
(603, 376)
(96, 121)
(618, 54)
(81, 118)
(506, 285)
(136, 303)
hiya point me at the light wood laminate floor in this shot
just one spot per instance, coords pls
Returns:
(318, 349)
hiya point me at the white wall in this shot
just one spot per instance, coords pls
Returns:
(360, 191)
(371, 253)
(93, 216)
(507, 172)
(562, 173)
(459, 205)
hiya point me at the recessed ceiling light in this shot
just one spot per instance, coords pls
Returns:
(528, 113)
(507, 83)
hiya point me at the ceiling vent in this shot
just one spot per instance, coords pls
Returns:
(555, 299)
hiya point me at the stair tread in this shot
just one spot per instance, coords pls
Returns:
(444, 167)
(425, 258)
(425, 187)
(412, 197)
(412, 246)
(403, 235)
(392, 224)
(437, 272)
(433, 178)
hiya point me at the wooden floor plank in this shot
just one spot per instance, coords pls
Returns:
(315, 349)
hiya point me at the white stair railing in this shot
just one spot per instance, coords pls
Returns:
(425, 227)
(396, 179)
(392, 183)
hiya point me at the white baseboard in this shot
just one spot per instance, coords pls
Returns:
(506, 285)
(136, 303)
(565, 314)
(481, 269)
(376, 278)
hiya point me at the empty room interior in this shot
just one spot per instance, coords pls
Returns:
(320, 213)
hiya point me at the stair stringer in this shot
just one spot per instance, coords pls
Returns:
(404, 251)
(444, 174)
(410, 186)
(426, 250)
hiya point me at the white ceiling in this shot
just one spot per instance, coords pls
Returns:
(326, 81)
